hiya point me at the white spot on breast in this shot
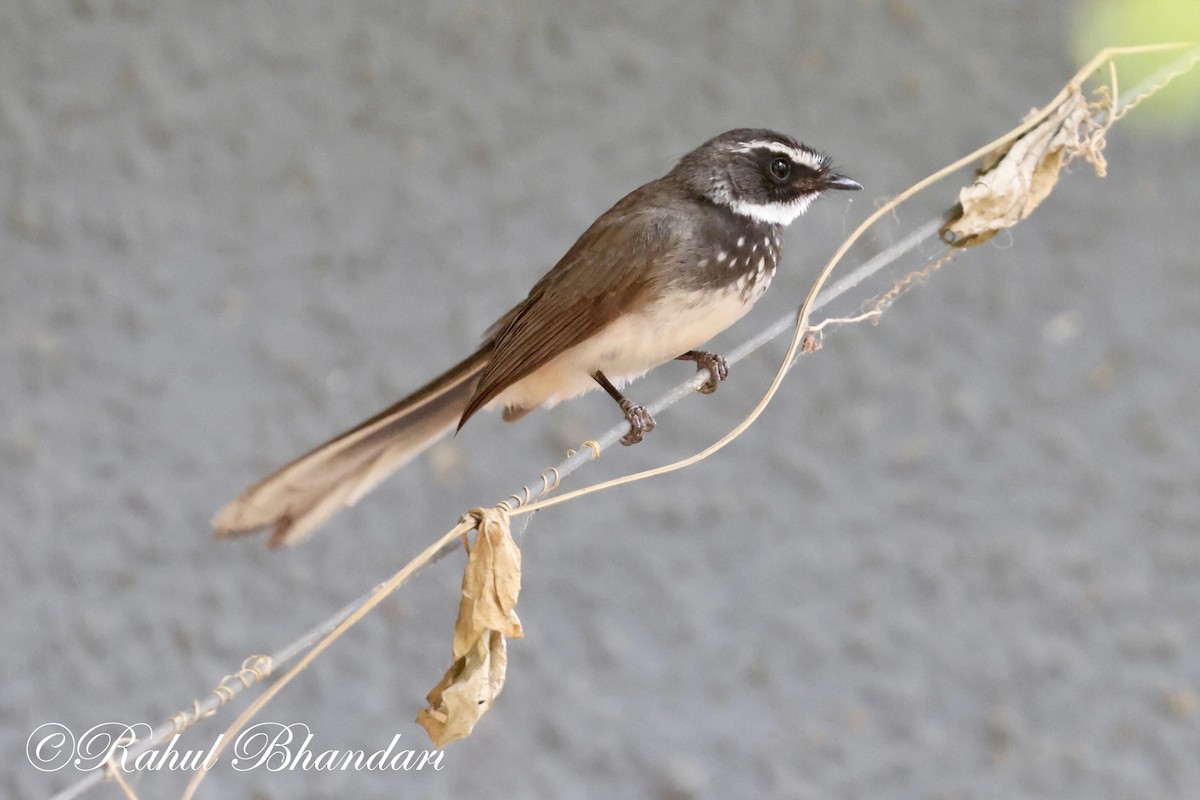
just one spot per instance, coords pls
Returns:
(741, 241)
(721, 256)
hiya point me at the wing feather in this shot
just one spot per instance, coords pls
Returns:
(616, 265)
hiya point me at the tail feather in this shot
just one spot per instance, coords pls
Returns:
(299, 497)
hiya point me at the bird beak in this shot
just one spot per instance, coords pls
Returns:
(835, 181)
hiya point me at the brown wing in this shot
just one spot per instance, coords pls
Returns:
(615, 266)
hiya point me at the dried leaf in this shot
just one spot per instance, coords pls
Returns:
(466, 691)
(486, 618)
(1016, 181)
(491, 583)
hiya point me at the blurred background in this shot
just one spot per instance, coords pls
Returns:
(956, 558)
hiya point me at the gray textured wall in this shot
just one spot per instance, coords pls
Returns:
(957, 558)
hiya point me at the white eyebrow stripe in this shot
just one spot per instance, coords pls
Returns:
(805, 157)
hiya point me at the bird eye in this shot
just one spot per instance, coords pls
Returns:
(781, 168)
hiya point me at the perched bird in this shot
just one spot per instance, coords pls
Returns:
(668, 267)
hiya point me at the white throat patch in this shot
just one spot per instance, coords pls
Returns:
(772, 213)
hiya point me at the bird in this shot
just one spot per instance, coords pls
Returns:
(668, 267)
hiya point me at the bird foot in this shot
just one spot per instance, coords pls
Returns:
(640, 422)
(718, 369)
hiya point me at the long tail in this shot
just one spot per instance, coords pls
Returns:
(299, 497)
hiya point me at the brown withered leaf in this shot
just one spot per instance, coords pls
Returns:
(466, 691)
(486, 618)
(1014, 182)
(491, 583)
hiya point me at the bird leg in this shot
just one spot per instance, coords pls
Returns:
(640, 421)
(718, 370)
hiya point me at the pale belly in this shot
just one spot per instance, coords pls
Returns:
(632, 345)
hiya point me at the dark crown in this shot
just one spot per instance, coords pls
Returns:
(759, 173)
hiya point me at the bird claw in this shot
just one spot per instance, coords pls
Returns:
(640, 422)
(718, 369)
